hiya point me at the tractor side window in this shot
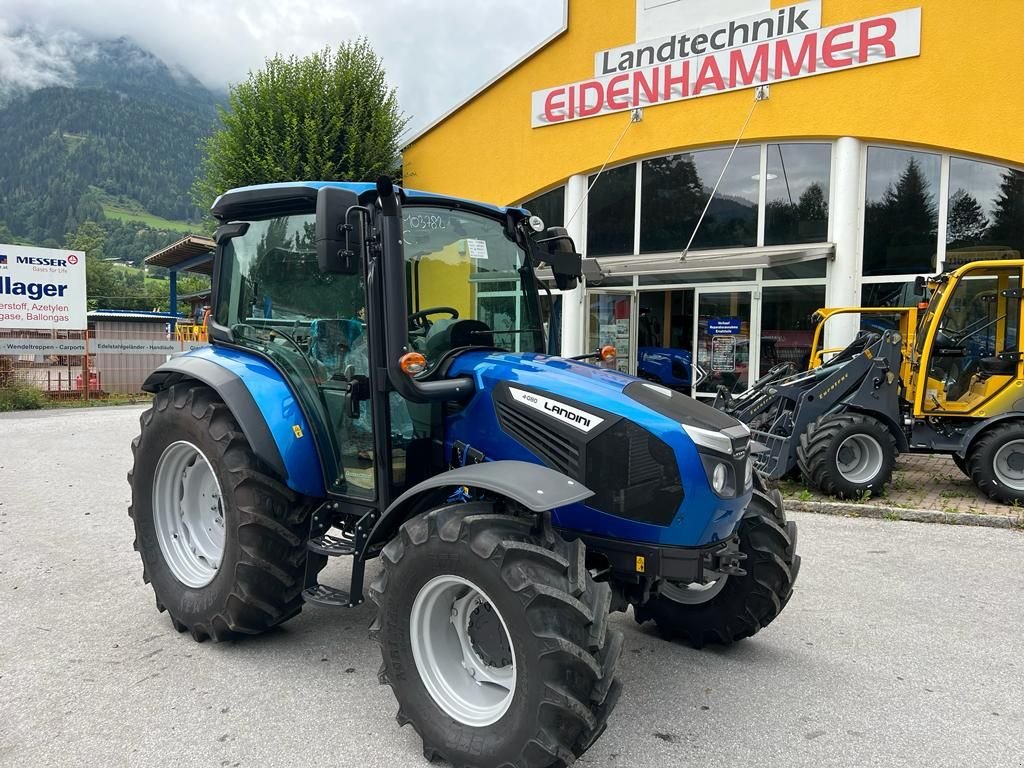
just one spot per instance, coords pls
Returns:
(274, 298)
(469, 284)
(978, 333)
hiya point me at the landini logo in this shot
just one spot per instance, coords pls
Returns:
(567, 414)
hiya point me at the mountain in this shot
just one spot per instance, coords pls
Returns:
(99, 131)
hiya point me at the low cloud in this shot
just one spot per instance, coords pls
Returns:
(435, 53)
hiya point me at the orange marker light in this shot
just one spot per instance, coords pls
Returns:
(609, 353)
(413, 363)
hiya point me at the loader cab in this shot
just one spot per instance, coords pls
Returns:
(333, 286)
(967, 354)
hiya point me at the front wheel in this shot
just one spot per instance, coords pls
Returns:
(847, 455)
(221, 541)
(495, 639)
(734, 607)
(996, 462)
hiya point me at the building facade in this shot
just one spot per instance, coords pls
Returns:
(728, 166)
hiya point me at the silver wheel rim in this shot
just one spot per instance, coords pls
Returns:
(859, 458)
(469, 687)
(693, 594)
(188, 514)
(1009, 465)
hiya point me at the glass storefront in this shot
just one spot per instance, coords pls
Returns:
(611, 209)
(675, 190)
(901, 212)
(796, 206)
(985, 216)
(550, 207)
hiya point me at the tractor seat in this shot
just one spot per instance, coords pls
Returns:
(446, 335)
(997, 366)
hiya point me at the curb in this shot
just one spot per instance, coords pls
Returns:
(844, 509)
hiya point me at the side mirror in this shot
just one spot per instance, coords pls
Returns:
(919, 285)
(558, 250)
(339, 236)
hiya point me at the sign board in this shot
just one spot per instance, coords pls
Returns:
(723, 326)
(42, 288)
(72, 347)
(13, 346)
(766, 48)
(723, 354)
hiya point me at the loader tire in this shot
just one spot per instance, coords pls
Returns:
(847, 455)
(995, 462)
(235, 564)
(961, 464)
(734, 607)
(464, 588)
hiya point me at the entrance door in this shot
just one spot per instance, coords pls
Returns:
(725, 346)
(611, 320)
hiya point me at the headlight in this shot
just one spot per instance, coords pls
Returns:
(719, 477)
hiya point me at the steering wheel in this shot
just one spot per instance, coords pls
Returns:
(418, 320)
(958, 338)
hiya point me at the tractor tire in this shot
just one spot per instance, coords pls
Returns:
(961, 464)
(734, 607)
(222, 541)
(847, 455)
(995, 462)
(458, 583)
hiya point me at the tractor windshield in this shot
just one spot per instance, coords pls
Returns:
(469, 284)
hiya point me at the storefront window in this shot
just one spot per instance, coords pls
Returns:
(986, 212)
(798, 271)
(675, 189)
(611, 212)
(787, 326)
(888, 295)
(550, 207)
(901, 213)
(797, 193)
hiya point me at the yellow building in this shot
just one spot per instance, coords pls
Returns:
(728, 166)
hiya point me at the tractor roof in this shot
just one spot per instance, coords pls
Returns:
(293, 196)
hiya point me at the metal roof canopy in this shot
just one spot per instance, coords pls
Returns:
(193, 253)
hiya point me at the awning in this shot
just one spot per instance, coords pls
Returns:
(710, 260)
(193, 253)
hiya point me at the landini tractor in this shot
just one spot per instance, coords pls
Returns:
(375, 387)
(951, 382)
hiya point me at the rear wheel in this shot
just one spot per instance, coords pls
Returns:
(495, 639)
(734, 607)
(847, 455)
(996, 462)
(221, 541)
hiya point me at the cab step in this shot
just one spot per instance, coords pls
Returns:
(332, 545)
(321, 594)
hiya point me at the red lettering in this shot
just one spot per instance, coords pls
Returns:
(709, 74)
(806, 59)
(586, 89)
(830, 47)
(669, 83)
(740, 74)
(616, 88)
(572, 102)
(887, 25)
(650, 87)
(554, 112)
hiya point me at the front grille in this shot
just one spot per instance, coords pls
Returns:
(633, 474)
(556, 451)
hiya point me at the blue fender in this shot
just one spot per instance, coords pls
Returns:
(264, 405)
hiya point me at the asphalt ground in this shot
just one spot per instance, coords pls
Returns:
(902, 646)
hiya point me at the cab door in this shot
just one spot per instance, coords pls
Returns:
(971, 354)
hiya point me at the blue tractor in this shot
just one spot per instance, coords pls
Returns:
(376, 388)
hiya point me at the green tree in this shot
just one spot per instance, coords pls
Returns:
(5, 234)
(1008, 215)
(967, 222)
(327, 116)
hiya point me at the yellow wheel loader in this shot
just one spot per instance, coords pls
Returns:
(944, 377)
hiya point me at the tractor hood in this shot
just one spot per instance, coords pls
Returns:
(585, 385)
(642, 448)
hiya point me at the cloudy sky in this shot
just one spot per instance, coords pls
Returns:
(436, 51)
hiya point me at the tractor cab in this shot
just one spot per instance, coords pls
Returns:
(967, 352)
